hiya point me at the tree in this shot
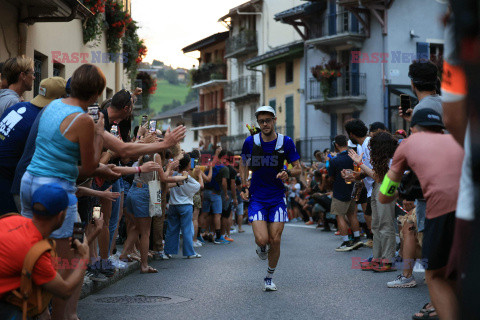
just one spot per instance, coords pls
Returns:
(173, 105)
(192, 95)
(157, 63)
(171, 76)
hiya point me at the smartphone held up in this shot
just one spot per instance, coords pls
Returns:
(405, 103)
(78, 233)
(93, 111)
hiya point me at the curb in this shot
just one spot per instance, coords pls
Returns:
(90, 287)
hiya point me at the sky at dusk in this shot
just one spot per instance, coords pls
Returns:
(168, 26)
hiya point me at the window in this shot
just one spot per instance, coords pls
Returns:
(273, 103)
(40, 66)
(240, 120)
(288, 71)
(195, 135)
(272, 76)
(58, 70)
(436, 52)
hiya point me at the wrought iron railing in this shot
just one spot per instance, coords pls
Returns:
(245, 41)
(335, 24)
(209, 71)
(248, 85)
(207, 118)
(349, 84)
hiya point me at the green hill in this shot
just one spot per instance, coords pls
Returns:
(166, 93)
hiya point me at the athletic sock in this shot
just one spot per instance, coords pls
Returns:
(356, 234)
(218, 233)
(270, 272)
(345, 238)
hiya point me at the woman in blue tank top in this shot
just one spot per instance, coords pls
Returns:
(68, 144)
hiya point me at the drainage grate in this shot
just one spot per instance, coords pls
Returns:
(133, 299)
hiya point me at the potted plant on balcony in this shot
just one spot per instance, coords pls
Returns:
(326, 73)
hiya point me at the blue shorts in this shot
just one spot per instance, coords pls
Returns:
(275, 211)
(213, 201)
(138, 200)
(31, 183)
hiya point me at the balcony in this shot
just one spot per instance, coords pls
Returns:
(233, 143)
(347, 93)
(211, 119)
(243, 88)
(337, 29)
(209, 74)
(241, 44)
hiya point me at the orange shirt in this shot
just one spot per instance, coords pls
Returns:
(17, 235)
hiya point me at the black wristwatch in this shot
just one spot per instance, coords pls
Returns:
(287, 171)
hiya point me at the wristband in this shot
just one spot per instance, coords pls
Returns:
(388, 187)
(137, 169)
(359, 164)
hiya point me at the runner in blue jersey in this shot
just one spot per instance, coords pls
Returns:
(264, 154)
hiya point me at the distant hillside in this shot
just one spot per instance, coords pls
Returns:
(166, 93)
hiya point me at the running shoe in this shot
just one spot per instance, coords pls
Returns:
(269, 285)
(160, 255)
(356, 243)
(345, 246)
(228, 238)
(220, 240)
(200, 238)
(337, 233)
(369, 243)
(383, 267)
(402, 282)
(309, 223)
(117, 263)
(263, 252)
(197, 244)
(367, 264)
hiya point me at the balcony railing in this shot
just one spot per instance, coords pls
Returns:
(209, 118)
(350, 84)
(240, 44)
(242, 88)
(336, 29)
(208, 72)
(233, 143)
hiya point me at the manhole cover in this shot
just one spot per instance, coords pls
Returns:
(133, 299)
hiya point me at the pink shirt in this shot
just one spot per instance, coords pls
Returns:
(436, 159)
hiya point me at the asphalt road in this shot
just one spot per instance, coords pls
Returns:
(314, 282)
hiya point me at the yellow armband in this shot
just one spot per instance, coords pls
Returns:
(388, 187)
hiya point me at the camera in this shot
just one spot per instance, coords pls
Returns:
(78, 233)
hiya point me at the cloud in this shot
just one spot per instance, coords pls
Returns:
(168, 26)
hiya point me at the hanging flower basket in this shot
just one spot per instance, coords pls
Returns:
(93, 26)
(326, 73)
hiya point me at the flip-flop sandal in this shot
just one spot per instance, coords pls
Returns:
(241, 231)
(424, 308)
(426, 316)
(134, 257)
(150, 270)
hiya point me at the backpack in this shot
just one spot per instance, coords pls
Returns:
(32, 299)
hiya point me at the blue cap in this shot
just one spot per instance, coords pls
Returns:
(54, 198)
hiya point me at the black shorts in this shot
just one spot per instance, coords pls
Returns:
(85, 208)
(438, 240)
(226, 213)
(363, 196)
(368, 212)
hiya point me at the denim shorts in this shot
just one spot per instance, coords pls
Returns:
(138, 201)
(31, 183)
(212, 200)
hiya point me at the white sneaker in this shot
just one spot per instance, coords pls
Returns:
(197, 244)
(263, 254)
(269, 285)
(402, 282)
(117, 263)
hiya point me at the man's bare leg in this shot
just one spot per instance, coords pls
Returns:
(275, 230)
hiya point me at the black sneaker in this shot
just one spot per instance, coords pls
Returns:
(96, 275)
(356, 243)
(345, 246)
(107, 268)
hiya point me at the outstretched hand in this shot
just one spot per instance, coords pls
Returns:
(173, 137)
(355, 156)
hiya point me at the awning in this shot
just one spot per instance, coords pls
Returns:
(403, 89)
(301, 10)
(52, 10)
(289, 51)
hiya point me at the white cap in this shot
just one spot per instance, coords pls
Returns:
(265, 109)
